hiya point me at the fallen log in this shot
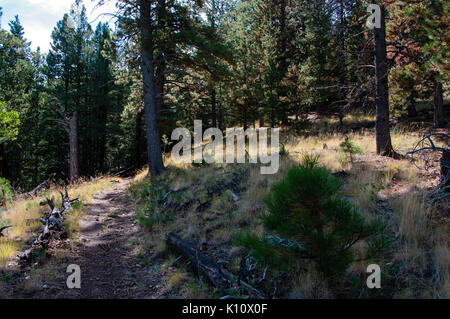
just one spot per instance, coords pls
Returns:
(37, 189)
(217, 275)
(445, 169)
(2, 229)
(122, 172)
(54, 229)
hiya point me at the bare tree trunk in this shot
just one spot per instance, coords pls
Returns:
(73, 144)
(221, 120)
(383, 135)
(261, 117)
(411, 108)
(439, 118)
(342, 64)
(156, 165)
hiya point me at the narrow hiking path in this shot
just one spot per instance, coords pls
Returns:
(107, 249)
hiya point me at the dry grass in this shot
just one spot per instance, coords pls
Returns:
(412, 215)
(310, 285)
(442, 261)
(23, 215)
(378, 186)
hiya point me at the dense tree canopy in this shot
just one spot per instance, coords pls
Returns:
(91, 104)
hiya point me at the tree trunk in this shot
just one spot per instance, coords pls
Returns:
(221, 119)
(383, 135)
(73, 144)
(261, 117)
(156, 165)
(439, 118)
(342, 64)
(411, 108)
(103, 119)
(138, 139)
(245, 118)
(213, 107)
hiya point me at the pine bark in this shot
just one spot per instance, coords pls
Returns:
(439, 118)
(383, 135)
(411, 108)
(213, 107)
(156, 165)
(73, 145)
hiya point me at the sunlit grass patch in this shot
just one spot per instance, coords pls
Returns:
(23, 214)
(378, 186)
(8, 249)
(176, 279)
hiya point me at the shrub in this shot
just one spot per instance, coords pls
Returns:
(311, 221)
(149, 212)
(5, 191)
(349, 148)
(283, 151)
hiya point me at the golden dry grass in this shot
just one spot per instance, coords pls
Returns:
(371, 180)
(23, 215)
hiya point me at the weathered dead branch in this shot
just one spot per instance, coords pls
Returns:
(217, 275)
(54, 229)
(423, 150)
(2, 229)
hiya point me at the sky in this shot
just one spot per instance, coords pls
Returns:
(39, 17)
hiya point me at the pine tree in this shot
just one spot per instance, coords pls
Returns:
(16, 28)
(311, 221)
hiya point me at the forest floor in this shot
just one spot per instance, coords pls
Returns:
(106, 256)
(117, 235)
(104, 248)
(194, 202)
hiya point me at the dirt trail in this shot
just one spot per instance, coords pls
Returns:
(107, 253)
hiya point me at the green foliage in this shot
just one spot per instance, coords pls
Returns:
(9, 123)
(283, 151)
(149, 212)
(311, 221)
(310, 160)
(5, 191)
(16, 28)
(349, 148)
(203, 163)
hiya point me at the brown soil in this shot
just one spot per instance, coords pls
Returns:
(107, 255)
(106, 251)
